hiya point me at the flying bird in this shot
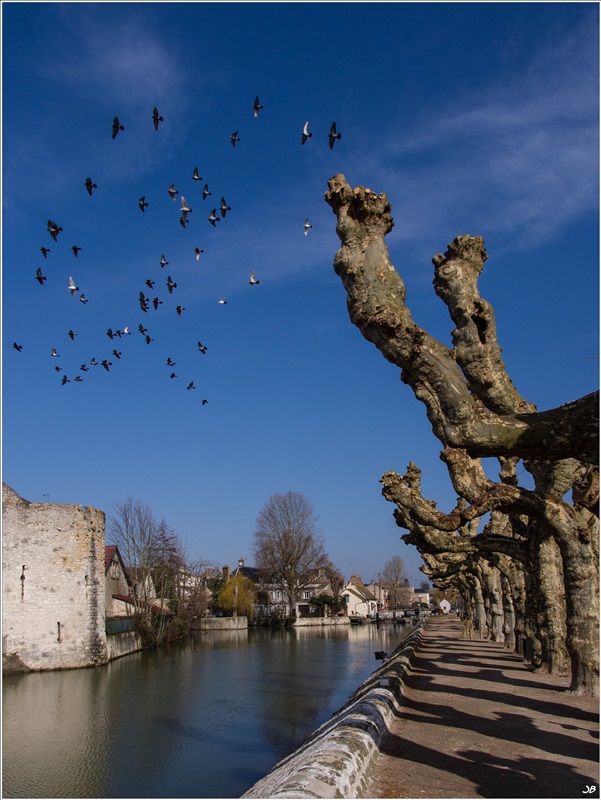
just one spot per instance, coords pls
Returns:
(148, 339)
(198, 251)
(224, 207)
(171, 285)
(58, 369)
(53, 230)
(76, 250)
(257, 107)
(234, 138)
(179, 310)
(191, 385)
(212, 218)
(202, 348)
(18, 347)
(93, 362)
(82, 299)
(117, 353)
(45, 251)
(65, 380)
(332, 136)
(170, 363)
(164, 261)
(89, 185)
(156, 303)
(205, 401)
(126, 331)
(253, 281)
(142, 329)
(305, 134)
(156, 118)
(71, 335)
(205, 191)
(150, 283)
(78, 378)
(40, 277)
(118, 333)
(172, 191)
(195, 175)
(223, 301)
(185, 211)
(110, 333)
(143, 302)
(106, 364)
(307, 226)
(117, 127)
(72, 287)
(142, 203)
(54, 353)
(173, 375)
(83, 368)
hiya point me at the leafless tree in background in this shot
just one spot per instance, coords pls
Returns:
(394, 575)
(287, 546)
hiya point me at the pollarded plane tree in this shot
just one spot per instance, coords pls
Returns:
(531, 611)
(475, 410)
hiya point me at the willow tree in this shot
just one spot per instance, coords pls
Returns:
(475, 410)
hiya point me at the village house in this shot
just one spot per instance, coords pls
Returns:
(381, 592)
(273, 601)
(360, 602)
(118, 586)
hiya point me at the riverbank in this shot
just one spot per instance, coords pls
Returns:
(447, 717)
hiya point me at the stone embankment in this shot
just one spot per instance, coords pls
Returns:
(449, 717)
(334, 761)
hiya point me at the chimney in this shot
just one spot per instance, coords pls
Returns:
(226, 573)
(355, 579)
(240, 562)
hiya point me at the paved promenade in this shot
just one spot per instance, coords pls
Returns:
(476, 722)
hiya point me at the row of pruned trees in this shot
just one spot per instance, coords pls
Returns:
(531, 576)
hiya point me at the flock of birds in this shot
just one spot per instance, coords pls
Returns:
(144, 301)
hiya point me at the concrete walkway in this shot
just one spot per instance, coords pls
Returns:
(476, 722)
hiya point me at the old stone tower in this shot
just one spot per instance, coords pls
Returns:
(53, 604)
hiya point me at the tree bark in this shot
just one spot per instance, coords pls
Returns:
(475, 411)
(376, 304)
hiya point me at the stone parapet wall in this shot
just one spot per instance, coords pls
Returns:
(53, 604)
(311, 622)
(335, 759)
(221, 624)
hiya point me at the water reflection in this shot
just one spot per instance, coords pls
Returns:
(204, 719)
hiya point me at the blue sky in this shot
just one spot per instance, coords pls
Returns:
(478, 118)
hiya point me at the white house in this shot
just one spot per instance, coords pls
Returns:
(360, 602)
(444, 606)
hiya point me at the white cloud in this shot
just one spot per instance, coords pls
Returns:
(518, 159)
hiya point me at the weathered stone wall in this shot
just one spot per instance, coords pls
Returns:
(53, 602)
(316, 622)
(220, 624)
(122, 644)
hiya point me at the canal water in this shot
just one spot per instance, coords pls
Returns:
(206, 718)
